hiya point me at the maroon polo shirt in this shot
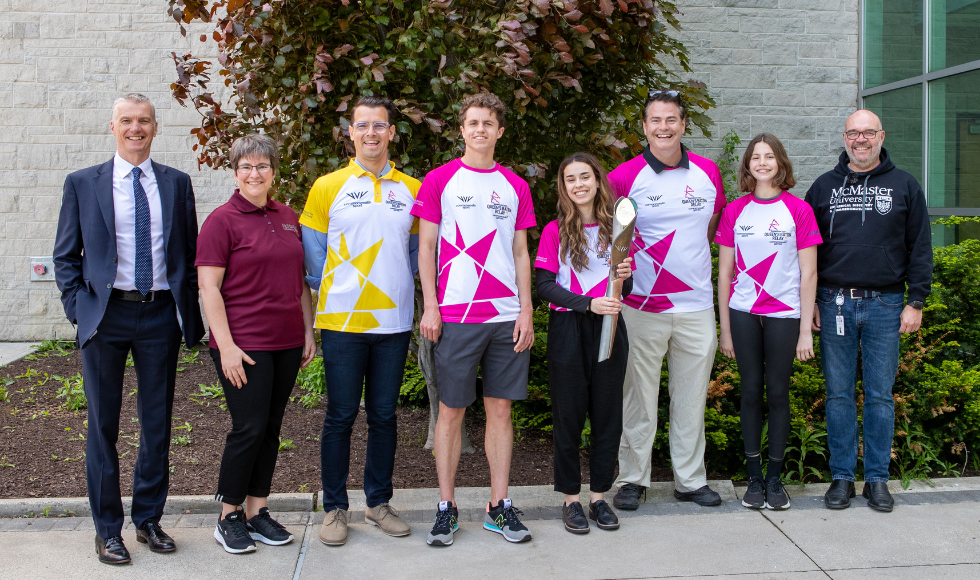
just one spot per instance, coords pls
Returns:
(261, 250)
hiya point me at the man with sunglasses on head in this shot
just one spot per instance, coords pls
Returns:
(877, 241)
(679, 197)
(358, 234)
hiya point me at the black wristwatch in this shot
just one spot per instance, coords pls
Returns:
(917, 304)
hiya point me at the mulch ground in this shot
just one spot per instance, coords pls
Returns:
(42, 444)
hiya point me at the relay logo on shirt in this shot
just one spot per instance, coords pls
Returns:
(696, 203)
(776, 236)
(393, 202)
(501, 211)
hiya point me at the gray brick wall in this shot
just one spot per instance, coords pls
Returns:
(62, 64)
(787, 67)
(784, 66)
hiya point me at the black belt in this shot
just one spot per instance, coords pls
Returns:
(856, 293)
(137, 296)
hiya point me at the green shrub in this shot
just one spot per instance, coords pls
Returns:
(311, 381)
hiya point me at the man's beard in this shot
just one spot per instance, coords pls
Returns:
(870, 161)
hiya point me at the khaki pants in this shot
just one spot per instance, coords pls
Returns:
(689, 340)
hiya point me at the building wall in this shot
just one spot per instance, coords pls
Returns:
(787, 67)
(784, 66)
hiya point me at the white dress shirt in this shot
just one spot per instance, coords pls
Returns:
(124, 206)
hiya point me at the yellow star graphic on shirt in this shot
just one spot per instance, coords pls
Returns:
(370, 298)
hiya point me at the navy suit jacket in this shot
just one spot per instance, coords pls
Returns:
(85, 247)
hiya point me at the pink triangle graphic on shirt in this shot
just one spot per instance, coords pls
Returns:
(637, 244)
(481, 249)
(667, 283)
(657, 304)
(443, 280)
(459, 239)
(760, 271)
(453, 310)
(481, 312)
(576, 286)
(766, 304)
(479, 269)
(658, 251)
(598, 290)
(490, 288)
(739, 262)
(446, 251)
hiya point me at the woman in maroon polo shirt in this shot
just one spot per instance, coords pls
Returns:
(250, 271)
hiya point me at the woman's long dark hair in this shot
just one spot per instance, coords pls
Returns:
(571, 230)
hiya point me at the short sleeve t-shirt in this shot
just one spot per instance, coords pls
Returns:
(670, 244)
(261, 250)
(478, 212)
(367, 283)
(767, 236)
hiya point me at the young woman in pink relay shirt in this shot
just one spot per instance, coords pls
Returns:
(768, 238)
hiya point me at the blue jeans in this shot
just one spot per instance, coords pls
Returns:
(871, 327)
(352, 362)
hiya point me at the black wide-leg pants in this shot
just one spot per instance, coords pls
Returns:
(581, 386)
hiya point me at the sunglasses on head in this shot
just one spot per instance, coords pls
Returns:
(669, 93)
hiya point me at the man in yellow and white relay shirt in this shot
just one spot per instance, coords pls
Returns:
(357, 233)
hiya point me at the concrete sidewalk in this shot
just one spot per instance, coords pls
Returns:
(931, 534)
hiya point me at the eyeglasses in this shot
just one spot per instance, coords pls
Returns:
(247, 169)
(668, 93)
(868, 134)
(379, 127)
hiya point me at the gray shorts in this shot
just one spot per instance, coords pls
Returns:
(465, 346)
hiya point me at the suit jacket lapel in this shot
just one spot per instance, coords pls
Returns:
(103, 191)
(166, 186)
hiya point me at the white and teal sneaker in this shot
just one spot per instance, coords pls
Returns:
(503, 520)
(447, 523)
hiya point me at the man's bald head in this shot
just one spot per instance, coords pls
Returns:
(863, 151)
(863, 117)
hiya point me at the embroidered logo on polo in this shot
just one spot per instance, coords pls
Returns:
(764, 303)
(654, 201)
(290, 228)
(666, 283)
(357, 198)
(777, 237)
(501, 211)
(393, 202)
(340, 262)
(694, 202)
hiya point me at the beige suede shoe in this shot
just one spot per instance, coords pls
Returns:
(386, 517)
(333, 532)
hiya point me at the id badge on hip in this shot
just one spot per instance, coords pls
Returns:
(840, 317)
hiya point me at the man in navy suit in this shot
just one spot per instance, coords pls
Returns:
(124, 262)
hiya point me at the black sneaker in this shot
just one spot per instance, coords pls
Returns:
(573, 516)
(447, 522)
(703, 496)
(603, 515)
(232, 533)
(503, 520)
(755, 496)
(263, 528)
(628, 496)
(776, 496)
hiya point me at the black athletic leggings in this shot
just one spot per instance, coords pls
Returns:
(764, 350)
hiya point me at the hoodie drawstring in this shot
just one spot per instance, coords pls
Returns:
(864, 193)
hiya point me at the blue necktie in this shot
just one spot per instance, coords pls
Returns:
(144, 248)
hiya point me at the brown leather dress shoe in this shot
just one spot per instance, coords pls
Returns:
(158, 540)
(112, 550)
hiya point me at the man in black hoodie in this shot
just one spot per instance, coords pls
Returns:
(875, 226)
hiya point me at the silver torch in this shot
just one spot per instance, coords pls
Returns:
(624, 221)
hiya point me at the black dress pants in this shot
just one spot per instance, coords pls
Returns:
(252, 445)
(582, 387)
(151, 331)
